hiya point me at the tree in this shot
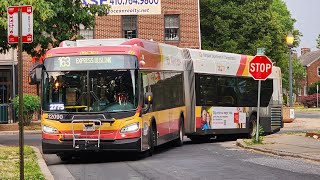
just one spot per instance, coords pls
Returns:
(298, 74)
(318, 42)
(54, 21)
(313, 88)
(242, 26)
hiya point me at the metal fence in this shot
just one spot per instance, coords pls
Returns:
(7, 114)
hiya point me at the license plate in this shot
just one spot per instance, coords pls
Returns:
(89, 127)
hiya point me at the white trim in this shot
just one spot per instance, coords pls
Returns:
(305, 91)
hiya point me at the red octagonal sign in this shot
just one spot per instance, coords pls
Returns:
(260, 67)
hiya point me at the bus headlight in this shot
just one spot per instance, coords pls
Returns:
(130, 128)
(49, 129)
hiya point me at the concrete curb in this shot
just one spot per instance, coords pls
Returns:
(313, 135)
(42, 164)
(242, 144)
(17, 132)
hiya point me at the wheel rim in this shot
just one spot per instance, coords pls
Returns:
(254, 128)
(181, 134)
(153, 136)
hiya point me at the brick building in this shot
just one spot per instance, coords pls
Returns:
(311, 61)
(178, 24)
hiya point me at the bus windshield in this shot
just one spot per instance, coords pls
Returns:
(90, 91)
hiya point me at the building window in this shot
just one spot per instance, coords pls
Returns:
(129, 27)
(319, 71)
(172, 27)
(86, 33)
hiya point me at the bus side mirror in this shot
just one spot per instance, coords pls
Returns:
(35, 76)
(148, 98)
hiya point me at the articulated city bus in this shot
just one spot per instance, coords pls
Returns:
(225, 97)
(133, 95)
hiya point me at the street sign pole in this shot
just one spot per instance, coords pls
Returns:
(20, 30)
(317, 95)
(258, 111)
(21, 138)
(260, 67)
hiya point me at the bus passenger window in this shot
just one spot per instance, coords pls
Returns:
(227, 91)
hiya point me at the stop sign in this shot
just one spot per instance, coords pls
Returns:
(260, 67)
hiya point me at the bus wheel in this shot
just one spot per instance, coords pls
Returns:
(179, 140)
(153, 138)
(252, 126)
(152, 143)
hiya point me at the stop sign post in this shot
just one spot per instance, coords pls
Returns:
(260, 67)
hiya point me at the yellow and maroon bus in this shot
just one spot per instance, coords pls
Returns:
(133, 95)
(115, 94)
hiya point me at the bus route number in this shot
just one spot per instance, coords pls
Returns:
(55, 116)
(64, 62)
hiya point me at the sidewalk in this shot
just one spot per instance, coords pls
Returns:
(13, 128)
(292, 144)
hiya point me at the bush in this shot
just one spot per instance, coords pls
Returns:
(313, 88)
(310, 100)
(285, 99)
(31, 104)
(260, 137)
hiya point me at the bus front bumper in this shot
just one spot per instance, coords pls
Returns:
(54, 146)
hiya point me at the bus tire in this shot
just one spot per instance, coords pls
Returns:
(252, 126)
(179, 140)
(153, 138)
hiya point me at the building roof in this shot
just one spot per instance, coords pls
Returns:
(309, 57)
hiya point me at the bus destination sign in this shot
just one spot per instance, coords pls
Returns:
(93, 62)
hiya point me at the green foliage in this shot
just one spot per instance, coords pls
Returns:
(9, 162)
(243, 26)
(284, 99)
(260, 137)
(313, 88)
(31, 104)
(54, 21)
(298, 74)
(318, 42)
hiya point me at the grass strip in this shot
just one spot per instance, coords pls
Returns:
(10, 164)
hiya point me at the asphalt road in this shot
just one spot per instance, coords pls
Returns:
(29, 139)
(192, 161)
(307, 114)
(215, 160)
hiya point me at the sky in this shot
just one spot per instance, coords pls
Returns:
(306, 13)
